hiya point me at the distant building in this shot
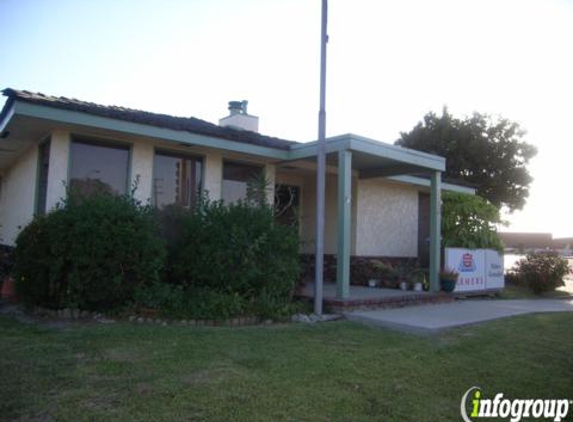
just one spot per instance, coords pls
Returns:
(534, 242)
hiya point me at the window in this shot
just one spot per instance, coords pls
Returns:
(43, 168)
(98, 168)
(236, 178)
(176, 179)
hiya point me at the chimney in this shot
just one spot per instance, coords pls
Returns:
(238, 117)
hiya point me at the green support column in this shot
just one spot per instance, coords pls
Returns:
(343, 232)
(435, 230)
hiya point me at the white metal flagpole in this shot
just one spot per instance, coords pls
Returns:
(320, 168)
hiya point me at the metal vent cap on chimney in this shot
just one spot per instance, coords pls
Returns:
(238, 117)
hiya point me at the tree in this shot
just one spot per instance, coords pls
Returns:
(488, 153)
(469, 221)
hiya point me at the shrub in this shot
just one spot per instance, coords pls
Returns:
(6, 261)
(469, 221)
(238, 249)
(542, 272)
(90, 253)
(175, 301)
(170, 220)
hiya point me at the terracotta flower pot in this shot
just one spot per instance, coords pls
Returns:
(8, 292)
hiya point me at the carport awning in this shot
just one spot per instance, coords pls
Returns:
(372, 158)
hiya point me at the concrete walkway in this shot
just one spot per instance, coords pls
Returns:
(432, 318)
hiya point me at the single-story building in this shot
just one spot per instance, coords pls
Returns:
(381, 200)
(524, 242)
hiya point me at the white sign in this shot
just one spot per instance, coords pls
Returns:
(494, 270)
(480, 269)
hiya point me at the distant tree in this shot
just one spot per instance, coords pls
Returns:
(486, 152)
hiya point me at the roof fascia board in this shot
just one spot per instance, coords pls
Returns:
(7, 118)
(85, 119)
(310, 149)
(419, 181)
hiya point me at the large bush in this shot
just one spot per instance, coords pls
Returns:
(239, 249)
(90, 253)
(542, 271)
(6, 261)
(469, 221)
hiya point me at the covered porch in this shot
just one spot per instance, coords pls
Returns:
(361, 297)
(352, 161)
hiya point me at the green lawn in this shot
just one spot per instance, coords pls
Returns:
(332, 371)
(511, 291)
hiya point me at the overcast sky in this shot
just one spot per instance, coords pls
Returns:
(390, 62)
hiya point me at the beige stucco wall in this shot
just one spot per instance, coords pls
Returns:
(386, 219)
(58, 169)
(213, 174)
(270, 178)
(142, 168)
(308, 214)
(18, 195)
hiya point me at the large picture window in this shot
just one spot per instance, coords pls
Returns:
(236, 178)
(97, 168)
(176, 179)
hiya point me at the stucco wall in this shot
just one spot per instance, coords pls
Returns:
(384, 218)
(142, 168)
(18, 195)
(387, 219)
(213, 174)
(58, 168)
(308, 215)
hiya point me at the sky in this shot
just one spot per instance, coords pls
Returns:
(389, 63)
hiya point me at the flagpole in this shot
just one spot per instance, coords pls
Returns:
(320, 167)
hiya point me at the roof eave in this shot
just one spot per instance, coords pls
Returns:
(70, 117)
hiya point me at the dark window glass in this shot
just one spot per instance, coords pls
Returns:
(43, 168)
(176, 179)
(287, 202)
(236, 178)
(97, 168)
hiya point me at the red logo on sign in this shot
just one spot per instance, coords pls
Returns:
(467, 263)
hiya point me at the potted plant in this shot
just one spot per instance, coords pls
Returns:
(407, 275)
(418, 282)
(448, 279)
(384, 273)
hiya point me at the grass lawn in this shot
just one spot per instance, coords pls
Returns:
(511, 291)
(334, 371)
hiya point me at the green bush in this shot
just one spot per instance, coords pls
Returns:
(469, 221)
(6, 260)
(238, 249)
(541, 272)
(90, 253)
(175, 301)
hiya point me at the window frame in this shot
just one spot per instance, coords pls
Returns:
(259, 166)
(176, 154)
(105, 143)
